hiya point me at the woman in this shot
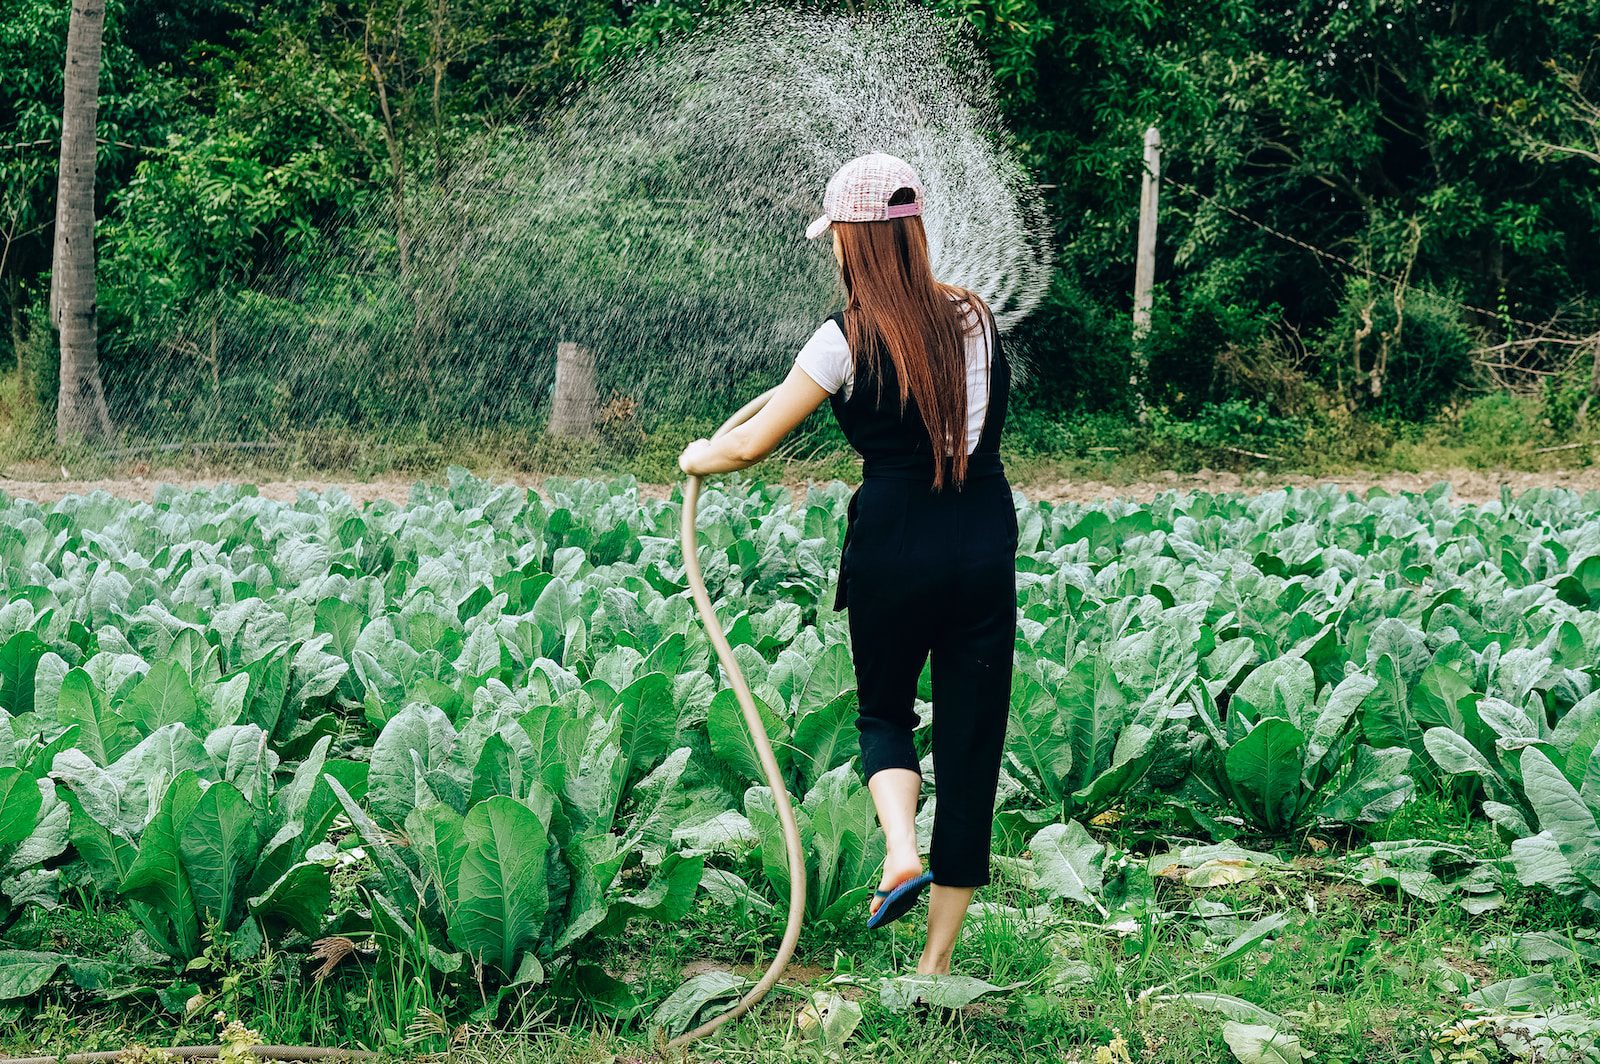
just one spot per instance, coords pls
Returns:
(928, 564)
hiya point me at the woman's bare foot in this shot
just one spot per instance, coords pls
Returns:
(899, 865)
(947, 908)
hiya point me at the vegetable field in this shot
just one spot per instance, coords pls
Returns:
(462, 764)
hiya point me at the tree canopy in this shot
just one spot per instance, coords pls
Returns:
(1378, 206)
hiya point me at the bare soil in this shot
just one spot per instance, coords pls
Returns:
(1467, 485)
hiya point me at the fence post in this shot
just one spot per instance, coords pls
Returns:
(1144, 266)
(574, 404)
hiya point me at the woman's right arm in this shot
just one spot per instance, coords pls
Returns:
(791, 403)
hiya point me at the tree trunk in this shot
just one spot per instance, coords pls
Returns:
(81, 407)
(574, 405)
(14, 308)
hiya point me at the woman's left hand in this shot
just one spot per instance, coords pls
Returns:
(693, 456)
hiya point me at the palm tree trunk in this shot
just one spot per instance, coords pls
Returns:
(81, 411)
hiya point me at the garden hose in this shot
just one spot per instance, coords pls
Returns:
(758, 735)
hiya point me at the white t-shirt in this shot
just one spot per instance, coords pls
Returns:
(827, 360)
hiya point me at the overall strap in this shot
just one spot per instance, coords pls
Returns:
(837, 401)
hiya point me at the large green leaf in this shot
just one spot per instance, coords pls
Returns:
(1283, 687)
(1458, 757)
(107, 856)
(772, 852)
(947, 991)
(1564, 814)
(1265, 768)
(501, 890)
(1094, 709)
(1132, 758)
(157, 876)
(654, 804)
(596, 769)
(1067, 863)
(678, 1012)
(1442, 696)
(649, 720)
(668, 896)
(827, 736)
(1334, 715)
(1255, 1043)
(595, 861)
(341, 620)
(556, 613)
(1036, 738)
(1374, 787)
(19, 806)
(832, 675)
(19, 658)
(731, 740)
(102, 734)
(24, 972)
(123, 796)
(1576, 736)
(297, 899)
(165, 696)
(437, 833)
(219, 846)
(844, 840)
(1540, 863)
(269, 688)
(506, 765)
(1386, 715)
(416, 741)
(50, 834)
(1226, 1005)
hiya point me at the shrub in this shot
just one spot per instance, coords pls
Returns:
(1233, 423)
(1076, 352)
(1502, 423)
(1568, 397)
(1400, 363)
(1188, 335)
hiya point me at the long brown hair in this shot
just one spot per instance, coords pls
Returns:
(894, 305)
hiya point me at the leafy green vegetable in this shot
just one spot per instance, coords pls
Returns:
(1284, 757)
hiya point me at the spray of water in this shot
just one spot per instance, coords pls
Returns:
(657, 218)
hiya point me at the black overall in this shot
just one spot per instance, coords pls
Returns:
(925, 574)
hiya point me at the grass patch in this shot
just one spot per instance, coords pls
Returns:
(1494, 432)
(1362, 974)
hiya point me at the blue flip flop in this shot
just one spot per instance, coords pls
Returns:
(898, 902)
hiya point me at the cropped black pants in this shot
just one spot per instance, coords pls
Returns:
(931, 577)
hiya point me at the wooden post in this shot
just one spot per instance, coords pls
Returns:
(574, 404)
(1144, 265)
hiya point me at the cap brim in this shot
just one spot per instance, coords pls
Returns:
(818, 227)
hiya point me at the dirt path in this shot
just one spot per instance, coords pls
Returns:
(1467, 485)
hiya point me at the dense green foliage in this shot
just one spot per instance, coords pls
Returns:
(483, 732)
(1410, 139)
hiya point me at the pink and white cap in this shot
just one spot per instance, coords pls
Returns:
(859, 191)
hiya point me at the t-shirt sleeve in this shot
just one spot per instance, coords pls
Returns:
(826, 357)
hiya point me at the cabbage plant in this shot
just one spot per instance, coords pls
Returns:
(1285, 757)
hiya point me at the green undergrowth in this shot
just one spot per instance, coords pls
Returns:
(1364, 973)
(1500, 431)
